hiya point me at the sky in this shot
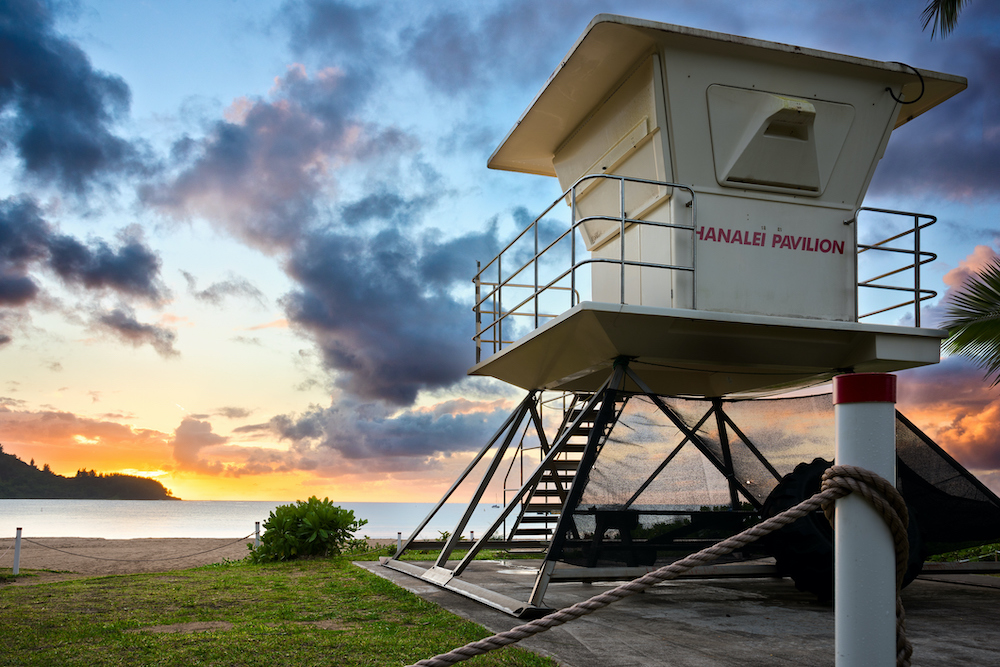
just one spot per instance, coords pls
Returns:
(237, 238)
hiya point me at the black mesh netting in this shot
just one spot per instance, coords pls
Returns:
(658, 488)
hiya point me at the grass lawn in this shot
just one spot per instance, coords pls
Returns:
(310, 612)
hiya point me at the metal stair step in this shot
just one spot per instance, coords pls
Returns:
(533, 531)
(550, 518)
(564, 464)
(543, 507)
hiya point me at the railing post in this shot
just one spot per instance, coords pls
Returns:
(621, 235)
(572, 247)
(535, 261)
(498, 316)
(479, 315)
(256, 534)
(399, 542)
(17, 552)
(916, 269)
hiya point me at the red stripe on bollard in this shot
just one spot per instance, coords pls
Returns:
(864, 388)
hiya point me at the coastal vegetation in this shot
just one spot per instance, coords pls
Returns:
(311, 527)
(302, 612)
(25, 480)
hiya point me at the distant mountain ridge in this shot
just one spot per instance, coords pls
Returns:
(23, 480)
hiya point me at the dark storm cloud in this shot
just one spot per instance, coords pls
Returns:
(122, 323)
(56, 111)
(361, 431)
(132, 269)
(216, 293)
(30, 244)
(382, 312)
(24, 238)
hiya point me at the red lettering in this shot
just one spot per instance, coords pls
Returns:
(737, 237)
(809, 246)
(786, 242)
(711, 234)
(826, 247)
(758, 238)
(701, 232)
(776, 239)
(724, 236)
(838, 247)
(796, 242)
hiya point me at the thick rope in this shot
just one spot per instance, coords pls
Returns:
(838, 482)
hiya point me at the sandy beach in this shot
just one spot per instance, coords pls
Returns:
(60, 558)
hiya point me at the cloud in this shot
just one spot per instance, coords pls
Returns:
(24, 240)
(261, 172)
(190, 438)
(132, 269)
(29, 245)
(51, 427)
(122, 323)
(458, 52)
(953, 150)
(217, 292)
(337, 30)
(230, 412)
(934, 315)
(951, 403)
(196, 448)
(382, 311)
(372, 431)
(57, 113)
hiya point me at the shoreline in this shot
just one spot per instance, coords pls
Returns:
(59, 558)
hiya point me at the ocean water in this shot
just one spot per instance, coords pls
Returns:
(127, 519)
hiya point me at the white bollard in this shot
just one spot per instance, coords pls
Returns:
(472, 535)
(399, 542)
(17, 552)
(256, 534)
(865, 561)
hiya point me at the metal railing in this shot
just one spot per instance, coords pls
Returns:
(491, 283)
(536, 301)
(915, 256)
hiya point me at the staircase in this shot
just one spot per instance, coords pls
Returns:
(540, 514)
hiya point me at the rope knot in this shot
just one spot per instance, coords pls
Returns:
(888, 502)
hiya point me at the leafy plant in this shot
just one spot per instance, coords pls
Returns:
(972, 319)
(307, 528)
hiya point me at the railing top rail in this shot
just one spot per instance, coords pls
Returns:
(568, 192)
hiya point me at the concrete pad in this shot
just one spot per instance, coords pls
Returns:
(724, 622)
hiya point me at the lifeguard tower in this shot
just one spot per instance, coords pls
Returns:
(706, 246)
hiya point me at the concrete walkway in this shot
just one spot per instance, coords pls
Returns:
(952, 620)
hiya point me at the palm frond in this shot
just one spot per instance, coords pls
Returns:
(972, 319)
(942, 15)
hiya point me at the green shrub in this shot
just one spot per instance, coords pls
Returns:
(308, 528)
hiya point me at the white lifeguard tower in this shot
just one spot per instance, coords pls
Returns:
(706, 245)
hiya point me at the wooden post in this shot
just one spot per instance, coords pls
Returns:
(17, 552)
